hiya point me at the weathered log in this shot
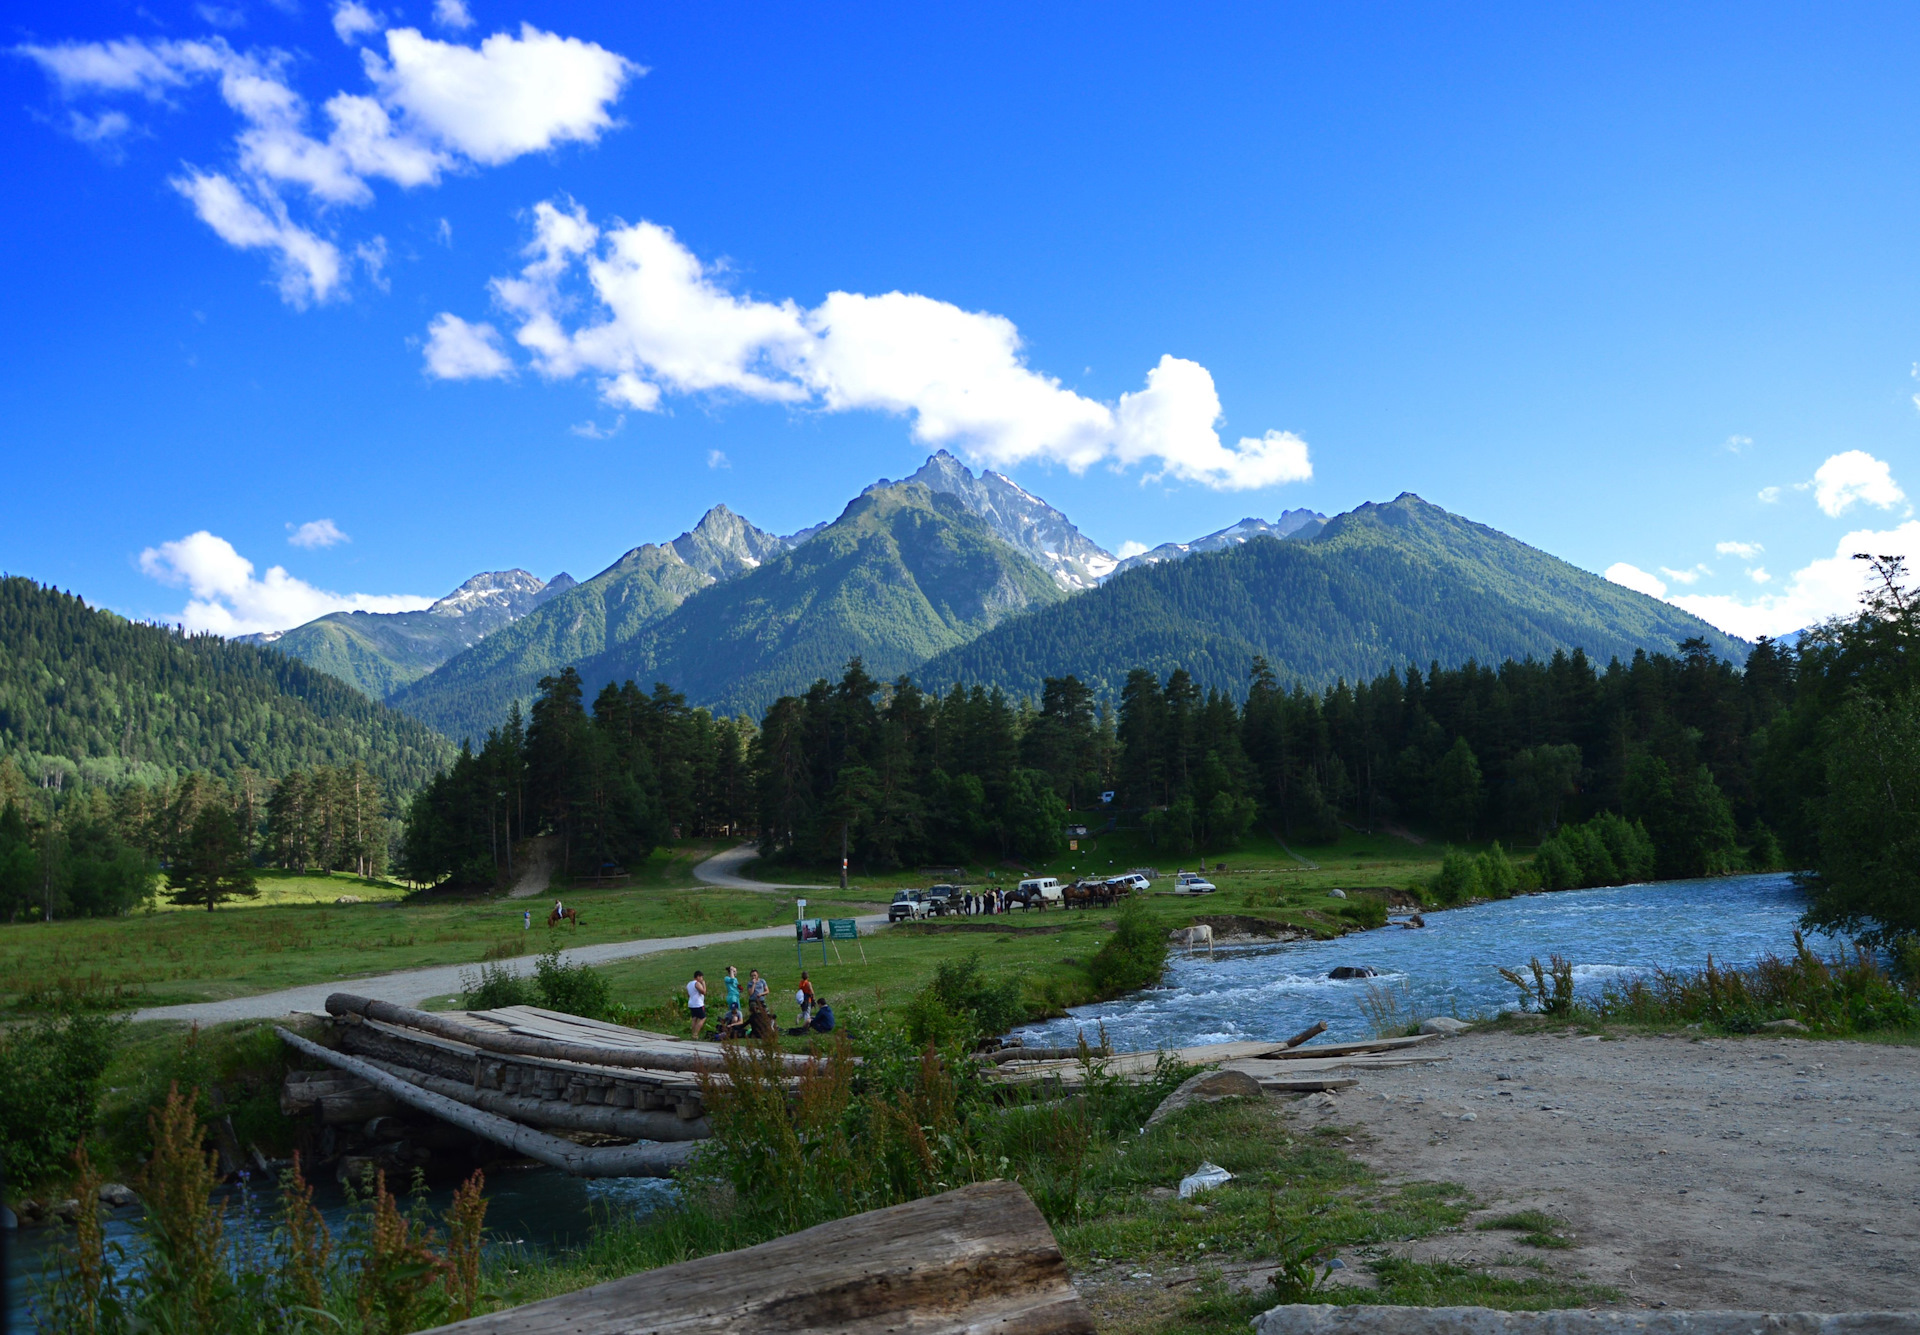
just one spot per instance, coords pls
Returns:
(974, 1260)
(1005, 1055)
(644, 1160)
(353, 1106)
(1319, 1027)
(345, 1003)
(605, 1118)
(301, 1090)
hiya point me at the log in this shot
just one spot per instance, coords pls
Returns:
(644, 1160)
(1005, 1055)
(975, 1260)
(1350, 1049)
(604, 1118)
(1319, 1027)
(345, 1003)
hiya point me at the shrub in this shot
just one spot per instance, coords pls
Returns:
(574, 988)
(1364, 910)
(495, 986)
(1457, 880)
(964, 1004)
(50, 1076)
(1498, 876)
(1842, 996)
(1133, 957)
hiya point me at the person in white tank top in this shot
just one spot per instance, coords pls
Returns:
(697, 1001)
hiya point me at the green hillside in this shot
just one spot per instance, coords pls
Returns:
(473, 691)
(1381, 586)
(904, 573)
(118, 700)
(377, 652)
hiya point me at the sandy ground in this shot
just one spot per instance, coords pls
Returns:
(1761, 1173)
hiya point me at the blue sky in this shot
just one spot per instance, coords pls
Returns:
(1637, 287)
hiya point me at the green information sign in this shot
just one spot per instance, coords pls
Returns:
(843, 929)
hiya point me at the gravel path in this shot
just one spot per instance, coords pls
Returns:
(414, 986)
(1771, 1174)
(722, 869)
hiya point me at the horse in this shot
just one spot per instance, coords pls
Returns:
(556, 916)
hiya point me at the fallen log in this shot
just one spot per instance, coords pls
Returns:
(644, 1160)
(975, 1260)
(345, 1003)
(1005, 1055)
(603, 1118)
(1319, 1027)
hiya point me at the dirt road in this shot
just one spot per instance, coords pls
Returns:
(1772, 1174)
(723, 870)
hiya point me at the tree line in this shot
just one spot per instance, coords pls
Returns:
(90, 850)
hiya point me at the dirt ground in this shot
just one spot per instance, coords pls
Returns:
(1760, 1173)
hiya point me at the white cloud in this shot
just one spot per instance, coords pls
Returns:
(1759, 575)
(1851, 476)
(718, 459)
(444, 233)
(452, 14)
(1691, 576)
(660, 321)
(1132, 548)
(1736, 444)
(1746, 551)
(309, 266)
(1828, 587)
(102, 129)
(1769, 495)
(1632, 577)
(352, 21)
(594, 431)
(457, 350)
(221, 16)
(509, 97)
(227, 599)
(433, 107)
(317, 533)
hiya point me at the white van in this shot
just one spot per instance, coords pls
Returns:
(1038, 889)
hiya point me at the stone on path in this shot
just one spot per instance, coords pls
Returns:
(1445, 1026)
(1207, 1087)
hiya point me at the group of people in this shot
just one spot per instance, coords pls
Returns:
(757, 1020)
(974, 903)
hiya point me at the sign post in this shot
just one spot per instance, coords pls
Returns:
(799, 916)
(846, 929)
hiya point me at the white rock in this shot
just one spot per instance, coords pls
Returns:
(1444, 1025)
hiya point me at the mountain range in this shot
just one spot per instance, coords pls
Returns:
(957, 576)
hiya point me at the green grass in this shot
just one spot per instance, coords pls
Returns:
(1539, 1229)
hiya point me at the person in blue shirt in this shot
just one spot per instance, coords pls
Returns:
(733, 988)
(822, 1016)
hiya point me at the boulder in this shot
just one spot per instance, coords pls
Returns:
(116, 1194)
(1207, 1087)
(1786, 1027)
(1445, 1026)
(1336, 893)
(1346, 971)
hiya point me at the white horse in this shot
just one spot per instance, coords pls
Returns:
(1196, 935)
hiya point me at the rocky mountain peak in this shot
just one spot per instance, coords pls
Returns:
(723, 545)
(493, 592)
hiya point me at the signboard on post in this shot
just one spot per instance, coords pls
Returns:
(846, 929)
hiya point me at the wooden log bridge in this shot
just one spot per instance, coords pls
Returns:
(641, 1160)
(972, 1261)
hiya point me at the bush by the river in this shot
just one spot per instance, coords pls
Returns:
(1464, 876)
(1607, 850)
(577, 989)
(51, 1070)
(1849, 994)
(1133, 957)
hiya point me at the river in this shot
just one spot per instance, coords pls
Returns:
(1449, 967)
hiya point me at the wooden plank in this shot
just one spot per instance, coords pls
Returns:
(671, 1081)
(1305, 1086)
(977, 1260)
(1363, 1045)
(599, 1117)
(648, 1159)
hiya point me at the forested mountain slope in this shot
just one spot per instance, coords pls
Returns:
(1381, 586)
(382, 651)
(904, 573)
(118, 700)
(472, 692)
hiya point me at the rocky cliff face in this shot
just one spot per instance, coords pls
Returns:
(1021, 519)
(723, 545)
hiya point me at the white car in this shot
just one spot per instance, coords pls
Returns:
(1193, 883)
(1139, 882)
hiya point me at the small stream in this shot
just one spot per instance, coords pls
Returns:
(1242, 992)
(1449, 967)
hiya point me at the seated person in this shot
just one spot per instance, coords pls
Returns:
(822, 1016)
(735, 1025)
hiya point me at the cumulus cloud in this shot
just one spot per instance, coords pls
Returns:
(352, 21)
(1633, 577)
(457, 350)
(654, 320)
(1854, 476)
(431, 107)
(1759, 575)
(1828, 587)
(1768, 495)
(1746, 551)
(718, 459)
(227, 598)
(316, 533)
(594, 431)
(1690, 576)
(1132, 548)
(452, 14)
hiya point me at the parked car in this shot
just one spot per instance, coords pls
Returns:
(946, 899)
(908, 904)
(1140, 882)
(1192, 883)
(1036, 892)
